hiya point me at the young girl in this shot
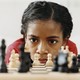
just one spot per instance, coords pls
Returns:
(46, 26)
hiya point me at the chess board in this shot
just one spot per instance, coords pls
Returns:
(47, 76)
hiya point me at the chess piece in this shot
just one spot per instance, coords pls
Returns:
(26, 47)
(3, 65)
(62, 60)
(78, 59)
(26, 63)
(14, 60)
(36, 61)
(28, 59)
(61, 56)
(49, 60)
(3, 68)
(69, 59)
(3, 48)
(55, 67)
(74, 68)
(67, 49)
(25, 60)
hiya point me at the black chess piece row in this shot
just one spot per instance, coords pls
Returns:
(64, 67)
(26, 61)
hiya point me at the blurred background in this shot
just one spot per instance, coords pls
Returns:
(11, 13)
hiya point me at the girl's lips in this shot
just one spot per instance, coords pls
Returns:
(42, 60)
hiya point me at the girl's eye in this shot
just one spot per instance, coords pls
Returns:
(52, 41)
(33, 40)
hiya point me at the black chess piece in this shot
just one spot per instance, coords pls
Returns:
(28, 58)
(78, 60)
(74, 68)
(3, 68)
(22, 55)
(3, 48)
(64, 67)
(25, 60)
(3, 65)
(62, 61)
(55, 67)
(23, 68)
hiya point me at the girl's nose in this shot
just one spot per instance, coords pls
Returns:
(42, 48)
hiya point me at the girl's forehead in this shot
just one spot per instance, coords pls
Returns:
(48, 27)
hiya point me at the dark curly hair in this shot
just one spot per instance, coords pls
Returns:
(43, 10)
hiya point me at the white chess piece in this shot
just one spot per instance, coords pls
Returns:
(26, 48)
(70, 56)
(14, 60)
(37, 67)
(49, 60)
(62, 48)
(67, 49)
(17, 62)
(11, 59)
(36, 61)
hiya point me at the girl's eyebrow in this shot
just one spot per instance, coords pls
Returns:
(52, 37)
(33, 36)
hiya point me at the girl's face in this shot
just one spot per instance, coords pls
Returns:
(44, 37)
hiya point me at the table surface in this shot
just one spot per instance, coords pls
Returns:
(47, 76)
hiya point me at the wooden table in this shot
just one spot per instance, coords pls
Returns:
(47, 76)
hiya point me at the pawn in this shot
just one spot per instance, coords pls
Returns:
(14, 60)
(36, 61)
(49, 60)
